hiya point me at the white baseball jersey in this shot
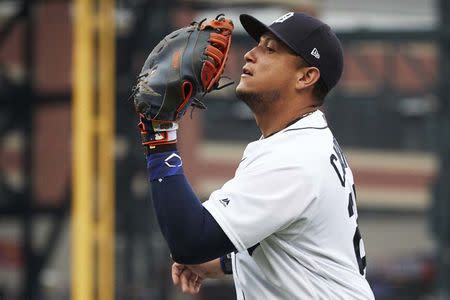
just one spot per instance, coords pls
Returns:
(291, 213)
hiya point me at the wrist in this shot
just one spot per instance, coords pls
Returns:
(164, 164)
(161, 149)
(154, 135)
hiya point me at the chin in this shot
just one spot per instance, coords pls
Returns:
(241, 88)
(240, 91)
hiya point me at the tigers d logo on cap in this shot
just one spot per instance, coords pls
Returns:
(283, 17)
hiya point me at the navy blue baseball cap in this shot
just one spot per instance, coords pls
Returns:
(308, 37)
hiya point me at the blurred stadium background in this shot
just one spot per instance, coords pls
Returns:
(390, 112)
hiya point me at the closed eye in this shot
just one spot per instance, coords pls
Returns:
(270, 50)
(267, 44)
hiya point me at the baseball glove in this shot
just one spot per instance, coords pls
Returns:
(185, 63)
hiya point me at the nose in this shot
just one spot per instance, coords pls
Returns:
(250, 55)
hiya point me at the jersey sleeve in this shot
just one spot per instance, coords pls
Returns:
(261, 200)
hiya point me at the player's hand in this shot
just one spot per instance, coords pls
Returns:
(188, 62)
(189, 281)
(210, 269)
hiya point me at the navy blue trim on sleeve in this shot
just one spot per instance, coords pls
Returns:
(193, 235)
(226, 264)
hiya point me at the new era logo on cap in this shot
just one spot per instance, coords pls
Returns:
(315, 53)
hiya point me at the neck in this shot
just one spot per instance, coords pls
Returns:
(278, 119)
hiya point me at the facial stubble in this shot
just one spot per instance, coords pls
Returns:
(259, 103)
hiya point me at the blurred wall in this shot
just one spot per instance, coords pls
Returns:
(382, 113)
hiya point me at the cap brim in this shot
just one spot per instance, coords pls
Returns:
(256, 29)
(253, 27)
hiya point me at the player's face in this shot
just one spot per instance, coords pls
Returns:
(269, 72)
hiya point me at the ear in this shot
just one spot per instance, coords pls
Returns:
(307, 77)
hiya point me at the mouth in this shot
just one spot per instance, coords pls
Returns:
(246, 72)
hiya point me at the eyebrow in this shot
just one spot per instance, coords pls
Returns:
(267, 37)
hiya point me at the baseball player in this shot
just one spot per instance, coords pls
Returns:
(286, 225)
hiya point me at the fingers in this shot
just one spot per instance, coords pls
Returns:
(177, 269)
(185, 280)
(187, 276)
(198, 284)
(189, 281)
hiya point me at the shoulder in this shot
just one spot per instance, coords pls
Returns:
(301, 145)
(307, 139)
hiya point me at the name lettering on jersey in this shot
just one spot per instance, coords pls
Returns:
(340, 168)
(351, 204)
(224, 202)
(342, 162)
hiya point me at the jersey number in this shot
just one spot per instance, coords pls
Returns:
(357, 239)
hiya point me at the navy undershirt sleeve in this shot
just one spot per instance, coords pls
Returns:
(193, 235)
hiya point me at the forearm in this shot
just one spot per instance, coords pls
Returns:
(191, 232)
